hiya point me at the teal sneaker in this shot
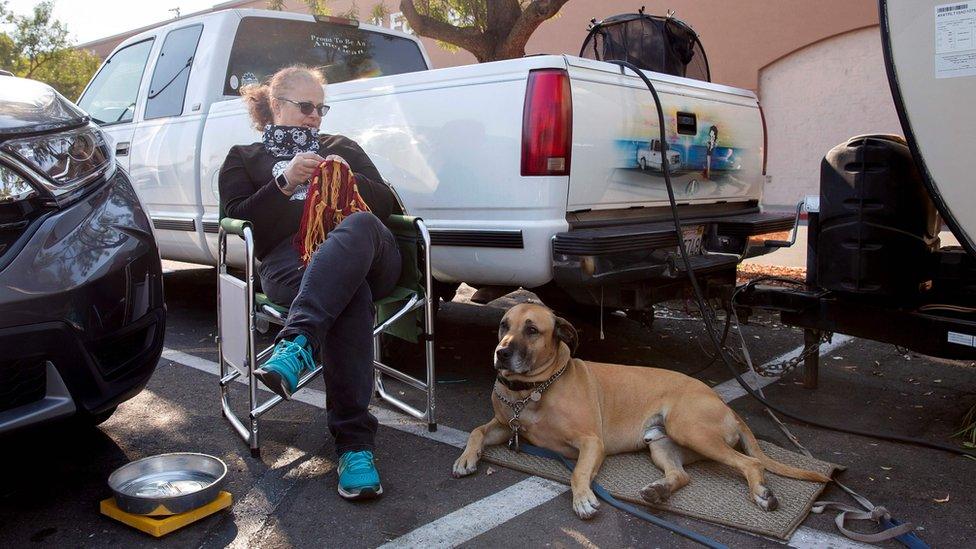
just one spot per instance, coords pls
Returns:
(358, 477)
(289, 361)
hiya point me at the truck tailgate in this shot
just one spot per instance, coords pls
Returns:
(716, 151)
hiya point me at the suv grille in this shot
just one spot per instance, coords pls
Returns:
(22, 381)
(17, 223)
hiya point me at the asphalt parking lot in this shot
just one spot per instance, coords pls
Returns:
(55, 477)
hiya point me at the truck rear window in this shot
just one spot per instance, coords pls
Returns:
(263, 45)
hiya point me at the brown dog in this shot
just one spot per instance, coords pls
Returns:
(592, 410)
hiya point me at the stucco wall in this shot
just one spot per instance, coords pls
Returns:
(817, 97)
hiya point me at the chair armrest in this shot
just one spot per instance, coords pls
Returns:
(402, 224)
(234, 226)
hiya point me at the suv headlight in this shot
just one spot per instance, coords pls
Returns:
(13, 187)
(66, 160)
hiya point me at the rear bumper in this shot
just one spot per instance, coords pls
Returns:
(626, 253)
(646, 258)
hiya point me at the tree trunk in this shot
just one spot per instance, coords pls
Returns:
(507, 27)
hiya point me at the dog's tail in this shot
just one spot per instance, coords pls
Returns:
(751, 446)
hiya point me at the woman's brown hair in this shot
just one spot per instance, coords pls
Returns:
(257, 97)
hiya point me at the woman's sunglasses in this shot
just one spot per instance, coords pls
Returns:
(307, 107)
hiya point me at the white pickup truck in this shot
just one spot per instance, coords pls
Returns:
(650, 157)
(525, 170)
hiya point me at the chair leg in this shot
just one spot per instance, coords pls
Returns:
(253, 441)
(431, 372)
(377, 357)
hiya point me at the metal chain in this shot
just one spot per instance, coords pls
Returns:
(518, 405)
(787, 366)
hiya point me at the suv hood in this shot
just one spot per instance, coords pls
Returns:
(28, 106)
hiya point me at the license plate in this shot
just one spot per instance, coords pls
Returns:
(693, 238)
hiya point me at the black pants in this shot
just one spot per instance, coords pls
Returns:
(332, 305)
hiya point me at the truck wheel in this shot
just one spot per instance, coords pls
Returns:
(646, 318)
(643, 163)
(564, 305)
(445, 290)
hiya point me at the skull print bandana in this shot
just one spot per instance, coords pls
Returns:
(287, 141)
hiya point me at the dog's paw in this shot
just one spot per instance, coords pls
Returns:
(765, 499)
(585, 504)
(464, 466)
(655, 492)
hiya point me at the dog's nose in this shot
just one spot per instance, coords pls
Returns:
(504, 353)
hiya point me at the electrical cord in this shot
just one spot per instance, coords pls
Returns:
(708, 314)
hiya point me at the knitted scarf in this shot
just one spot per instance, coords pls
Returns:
(332, 197)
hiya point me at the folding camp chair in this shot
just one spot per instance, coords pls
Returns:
(407, 313)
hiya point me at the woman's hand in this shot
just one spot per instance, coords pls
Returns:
(300, 169)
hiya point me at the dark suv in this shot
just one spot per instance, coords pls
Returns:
(81, 295)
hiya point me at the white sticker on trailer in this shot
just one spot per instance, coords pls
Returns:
(955, 40)
(962, 339)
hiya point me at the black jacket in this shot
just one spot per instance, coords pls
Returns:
(248, 190)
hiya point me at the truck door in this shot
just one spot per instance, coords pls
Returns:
(164, 153)
(111, 96)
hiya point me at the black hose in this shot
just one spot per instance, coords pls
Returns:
(707, 313)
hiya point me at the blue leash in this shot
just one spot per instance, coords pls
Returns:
(603, 494)
(908, 539)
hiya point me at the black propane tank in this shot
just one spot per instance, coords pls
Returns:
(878, 227)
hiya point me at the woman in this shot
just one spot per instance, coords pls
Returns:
(710, 144)
(331, 314)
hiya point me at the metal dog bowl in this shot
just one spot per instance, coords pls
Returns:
(167, 484)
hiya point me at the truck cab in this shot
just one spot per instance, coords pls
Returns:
(154, 96)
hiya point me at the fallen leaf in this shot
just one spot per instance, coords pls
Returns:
(490, 471)
(943, 500)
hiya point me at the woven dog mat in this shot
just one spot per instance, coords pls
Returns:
(717, 493)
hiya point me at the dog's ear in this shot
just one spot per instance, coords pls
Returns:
(566, 333)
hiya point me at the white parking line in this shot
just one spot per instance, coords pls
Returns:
(731, 390)
(315, 397)
(478, 517)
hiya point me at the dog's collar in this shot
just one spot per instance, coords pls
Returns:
(516, 385)
(518, 405)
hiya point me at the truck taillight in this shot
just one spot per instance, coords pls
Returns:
(547, 123)
(765, 139)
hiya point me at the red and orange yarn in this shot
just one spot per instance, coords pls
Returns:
(332, 197)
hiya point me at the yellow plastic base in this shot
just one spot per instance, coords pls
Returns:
(160, 526)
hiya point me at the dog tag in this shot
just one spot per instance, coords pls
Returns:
(536, 396)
